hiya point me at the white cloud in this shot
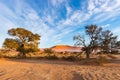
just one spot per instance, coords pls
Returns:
(103, 10)
(77, 18)
(106, 25)
(69, 10)
(116, 31)
(56, 3)
(91, 5)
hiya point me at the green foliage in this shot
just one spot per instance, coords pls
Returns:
(11, 44)
(25, 41)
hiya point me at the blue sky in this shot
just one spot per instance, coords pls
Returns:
(57, 21)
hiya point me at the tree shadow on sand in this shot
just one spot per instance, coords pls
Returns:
(77, 76)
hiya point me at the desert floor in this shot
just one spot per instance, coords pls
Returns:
(56, 70)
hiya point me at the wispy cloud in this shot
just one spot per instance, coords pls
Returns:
(117, 31)
(106, 25)
(104, 10)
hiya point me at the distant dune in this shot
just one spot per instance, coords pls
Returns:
(67, 48)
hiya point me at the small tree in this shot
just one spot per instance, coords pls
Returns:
(24, 40)
(108, 41)
(48, 51)
(93, 32)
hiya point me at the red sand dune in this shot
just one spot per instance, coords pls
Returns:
(63, 48)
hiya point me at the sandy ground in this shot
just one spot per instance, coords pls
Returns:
(56, 70)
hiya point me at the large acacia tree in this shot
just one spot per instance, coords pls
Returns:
(24, 40)
(104, 40)
(93, 33)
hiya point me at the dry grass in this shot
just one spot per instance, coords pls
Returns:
(98, 59)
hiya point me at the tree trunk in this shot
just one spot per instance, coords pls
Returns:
(24, 55)
(23, 51)
(87, 55)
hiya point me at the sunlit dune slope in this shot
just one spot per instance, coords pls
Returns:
(63, 48)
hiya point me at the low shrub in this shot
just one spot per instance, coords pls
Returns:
(70, 58)
(111, 56)
(102, 59)
(52, 57)
(49, 51)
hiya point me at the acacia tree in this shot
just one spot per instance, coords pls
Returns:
(97, 39)
(26, 40)
(93, 32)
(108, 41)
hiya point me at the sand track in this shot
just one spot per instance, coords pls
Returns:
(49, 70)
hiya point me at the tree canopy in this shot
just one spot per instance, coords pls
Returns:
(24, 40)
(10, 43)
(97, 39)
(108, 41)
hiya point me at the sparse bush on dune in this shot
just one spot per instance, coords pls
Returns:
(8, 53)
(48, 51)
(61, 52)
(111, 56)
(79, 55)
(70, 58)
(102, 59)
(93, 61)
(53, 57)
(65, 53)
(115, 52)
